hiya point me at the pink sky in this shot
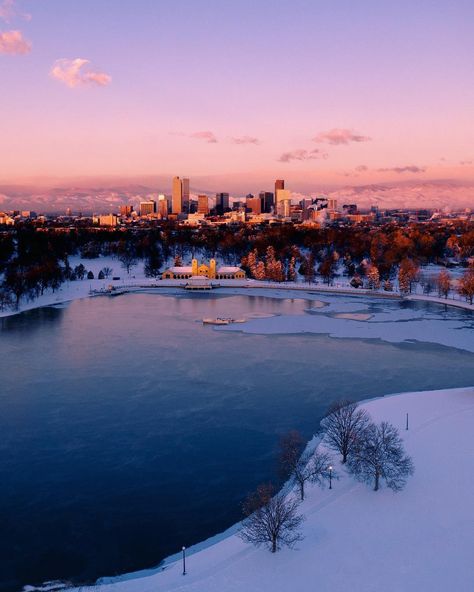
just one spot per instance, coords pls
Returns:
(339, 93)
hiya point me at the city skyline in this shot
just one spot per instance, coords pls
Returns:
(373, 95)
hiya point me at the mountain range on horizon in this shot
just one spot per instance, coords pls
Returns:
(108, 194)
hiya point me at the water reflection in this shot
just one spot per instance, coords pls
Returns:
(130, 429)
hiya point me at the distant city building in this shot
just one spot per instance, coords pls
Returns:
(222, 203)
(332, 204)
(210, 271)
(267, 199)
(203, 204)
(283, 202)
(147, 207)
(68, 212)
(126, 211)
(279, 184)
(108, 220)
(254, 204)
(349, 209)
(162, 206)
(305, 203)
(6, 219)
(177, 196)
(185, 194)
(321, 203)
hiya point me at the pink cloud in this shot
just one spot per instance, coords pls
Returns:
(76, 73)
(405, 169)
(302, 154)
(245, 140)
(465, 162)
(9, 11)
(13, 43)
(207, 136)
(338, 136)
(362, 168)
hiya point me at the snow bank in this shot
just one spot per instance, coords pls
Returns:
(418, 540)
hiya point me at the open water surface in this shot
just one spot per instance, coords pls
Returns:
(129, 429)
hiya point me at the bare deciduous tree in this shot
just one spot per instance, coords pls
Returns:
(379, 454)
(303, 466)
(271, 520)
(343, 425)
(312, 468)
(291, 447)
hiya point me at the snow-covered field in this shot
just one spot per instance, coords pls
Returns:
(358, 540)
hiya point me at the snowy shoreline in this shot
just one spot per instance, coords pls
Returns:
(425, 546)
(93, 288)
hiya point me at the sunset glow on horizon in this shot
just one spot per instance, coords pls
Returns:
(337, 92)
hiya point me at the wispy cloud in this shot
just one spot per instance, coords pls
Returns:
(338, 136)
(206, 136)
(77, 73)
(362, 168)
(465, 162)
(245, 140)
(13, 43)
(405, 169)
(9, 11)
(302, 154)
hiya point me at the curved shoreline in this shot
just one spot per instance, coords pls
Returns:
(100, 289)
(174, 561)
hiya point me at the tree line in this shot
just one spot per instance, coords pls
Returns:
(35, 259)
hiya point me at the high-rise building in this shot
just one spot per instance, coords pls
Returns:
(282, 202)
(254, 204)
(185, 194)
(177, 196)
(279, 184)
(267, 198)
(162, 206)
(332, 204)
(283, 194)
(203, 204)
(222, 203)
(147, 207)
(126, 211)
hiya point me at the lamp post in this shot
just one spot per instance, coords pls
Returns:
(184, 561)
(330, 476)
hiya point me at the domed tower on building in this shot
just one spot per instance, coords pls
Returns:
(212, 269)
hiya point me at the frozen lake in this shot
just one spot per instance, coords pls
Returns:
(130, 429)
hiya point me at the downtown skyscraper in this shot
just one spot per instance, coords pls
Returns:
(180, 195)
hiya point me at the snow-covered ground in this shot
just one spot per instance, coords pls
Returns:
(418, 540)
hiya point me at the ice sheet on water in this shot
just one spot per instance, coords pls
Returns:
(393, 325)
(345, 306)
